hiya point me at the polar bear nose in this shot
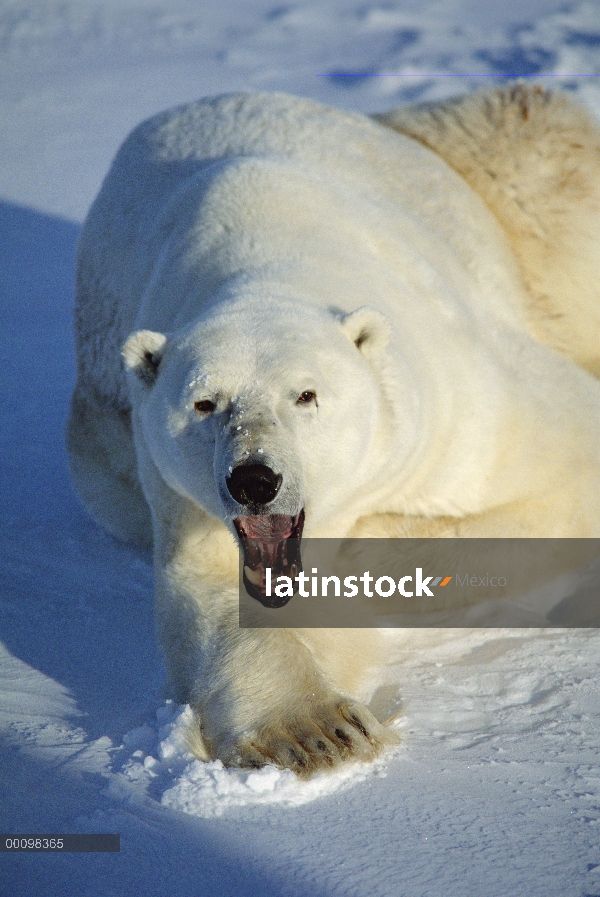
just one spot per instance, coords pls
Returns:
(253, 484)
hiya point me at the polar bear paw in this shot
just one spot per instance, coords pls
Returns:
(314, 741)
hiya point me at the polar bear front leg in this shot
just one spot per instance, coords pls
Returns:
(268, 703)
(258, 695)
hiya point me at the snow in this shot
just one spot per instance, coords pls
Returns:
(160, 757)
(495, 788)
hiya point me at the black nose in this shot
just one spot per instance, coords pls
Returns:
(253, 484)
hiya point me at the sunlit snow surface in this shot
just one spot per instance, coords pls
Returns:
(498, 699)
(77, 75)
(495, 788)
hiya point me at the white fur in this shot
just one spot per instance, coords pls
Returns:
(245, 249)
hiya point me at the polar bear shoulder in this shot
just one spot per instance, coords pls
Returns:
(533, 155)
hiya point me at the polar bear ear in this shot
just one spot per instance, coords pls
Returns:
(142, 354)
(368, 329)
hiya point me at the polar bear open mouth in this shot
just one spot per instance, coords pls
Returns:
(269, 540)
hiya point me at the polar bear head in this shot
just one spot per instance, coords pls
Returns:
(266, 414)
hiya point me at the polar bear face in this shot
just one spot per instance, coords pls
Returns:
(246, 411)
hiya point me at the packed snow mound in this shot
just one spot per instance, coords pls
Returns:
(154, 761)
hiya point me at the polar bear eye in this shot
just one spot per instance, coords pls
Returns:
(306, 397)
(204, 406)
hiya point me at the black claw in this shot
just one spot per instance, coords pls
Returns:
(356, 722)
(343, 737)
(299, 760)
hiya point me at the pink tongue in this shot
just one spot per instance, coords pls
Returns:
(267, 526)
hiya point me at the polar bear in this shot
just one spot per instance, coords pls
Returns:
(292, 319)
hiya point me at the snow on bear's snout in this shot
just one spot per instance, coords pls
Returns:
(256, 466)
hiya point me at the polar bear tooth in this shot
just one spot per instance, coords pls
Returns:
(253, 576)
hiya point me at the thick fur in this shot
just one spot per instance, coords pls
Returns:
(442, 305)
(533, 155)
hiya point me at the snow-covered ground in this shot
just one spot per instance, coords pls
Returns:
(495, 790)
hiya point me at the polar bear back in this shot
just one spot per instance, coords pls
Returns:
(391, 187)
